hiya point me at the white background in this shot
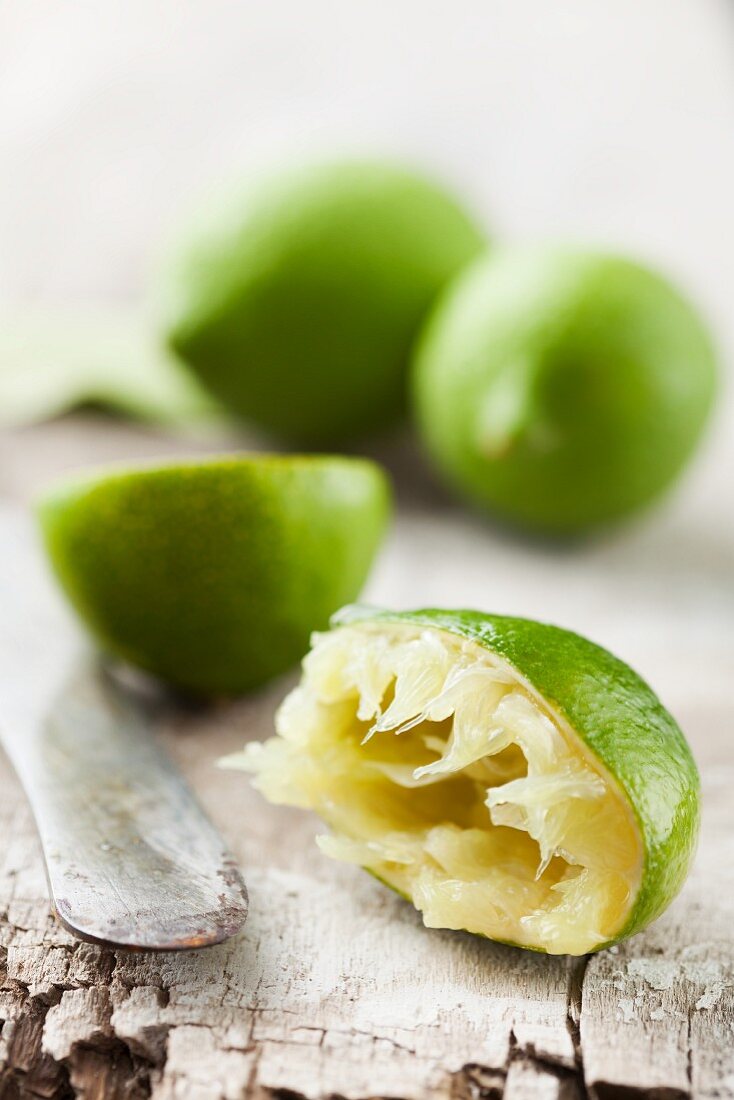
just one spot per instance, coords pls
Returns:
(561, 118)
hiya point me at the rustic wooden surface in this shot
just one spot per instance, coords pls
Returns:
(334, 989)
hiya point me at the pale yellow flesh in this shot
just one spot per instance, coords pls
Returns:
(437, 768)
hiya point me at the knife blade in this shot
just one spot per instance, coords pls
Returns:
(132, 861)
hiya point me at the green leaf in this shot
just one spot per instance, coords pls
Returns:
(52, 361)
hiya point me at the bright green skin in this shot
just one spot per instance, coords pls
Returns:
(619, 718)
(562, 389)
(298, 303)
(211, 575)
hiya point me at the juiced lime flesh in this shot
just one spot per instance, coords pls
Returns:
(444, 773)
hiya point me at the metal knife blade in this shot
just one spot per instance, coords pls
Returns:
(132, 860)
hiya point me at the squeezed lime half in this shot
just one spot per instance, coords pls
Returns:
(508, 777)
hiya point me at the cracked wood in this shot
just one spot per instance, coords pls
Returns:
(334, 988)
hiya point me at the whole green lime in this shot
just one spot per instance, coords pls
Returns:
(212, 574)
(508, 777)
(562, 389)
(297, 301)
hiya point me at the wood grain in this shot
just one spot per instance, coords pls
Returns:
(334, 989)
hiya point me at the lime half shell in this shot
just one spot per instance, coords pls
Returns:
(508, 777)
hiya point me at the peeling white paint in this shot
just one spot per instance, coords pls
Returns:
(711, 996)
(659, 974)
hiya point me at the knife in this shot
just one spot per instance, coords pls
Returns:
(131, 859)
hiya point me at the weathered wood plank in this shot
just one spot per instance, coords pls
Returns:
(334, 988)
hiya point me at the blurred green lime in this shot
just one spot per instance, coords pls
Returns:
(297, 301)
(211, 575)
(562, 389)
